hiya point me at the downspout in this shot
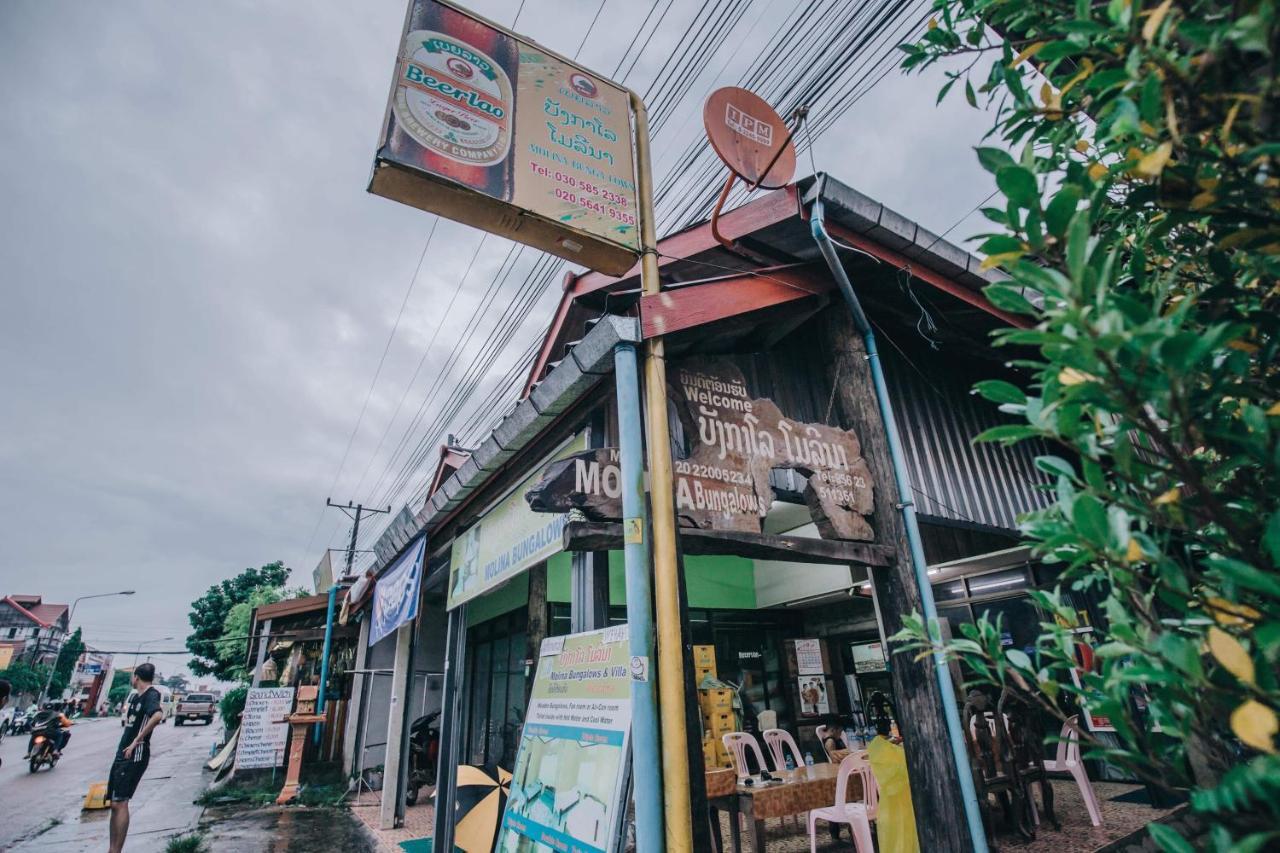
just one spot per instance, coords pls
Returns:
(955, 731)
(646, 750)
(324, 661)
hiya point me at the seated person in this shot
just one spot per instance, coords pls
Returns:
(896, 822)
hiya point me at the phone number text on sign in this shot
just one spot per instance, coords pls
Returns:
(577, 191)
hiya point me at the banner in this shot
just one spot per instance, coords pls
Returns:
(569, 786)
(395, 596)
(263, 736)
(508, 539)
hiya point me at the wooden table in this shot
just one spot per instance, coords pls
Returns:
(801, 790)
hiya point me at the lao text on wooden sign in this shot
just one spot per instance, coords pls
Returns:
(734, 441)
(491, 130)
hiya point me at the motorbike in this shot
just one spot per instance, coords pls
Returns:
(44, 749)
(424, 750)
(22, 721)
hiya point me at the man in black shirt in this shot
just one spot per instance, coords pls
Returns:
(134, 753)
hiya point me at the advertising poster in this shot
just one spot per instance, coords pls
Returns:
(809, 657)
(395, 596)
(263, 738)
(569, 784)
(813, 696)
(508, 539)
(504, 119)
(868, 657)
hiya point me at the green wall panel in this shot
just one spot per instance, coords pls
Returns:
(713, 581)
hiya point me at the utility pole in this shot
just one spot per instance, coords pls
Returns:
(354, 512)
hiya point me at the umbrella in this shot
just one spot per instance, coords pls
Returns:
(481, 799)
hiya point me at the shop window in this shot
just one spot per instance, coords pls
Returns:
(998, 583)
(949, 590)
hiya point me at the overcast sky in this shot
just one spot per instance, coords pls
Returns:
(197, 289)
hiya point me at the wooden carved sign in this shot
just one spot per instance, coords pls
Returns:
(735, 440)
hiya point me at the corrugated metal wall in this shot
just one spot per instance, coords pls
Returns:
(953, 478)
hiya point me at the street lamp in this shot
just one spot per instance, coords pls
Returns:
(146, 643)
(44, 694)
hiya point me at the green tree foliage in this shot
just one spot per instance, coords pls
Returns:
(231, 707)
(66, 663)
(26, 678)
(1140, 228)
(177, 683)
(209, 614)
(235, 628)
(120, 688)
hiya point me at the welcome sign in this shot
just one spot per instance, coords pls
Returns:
(507, 540)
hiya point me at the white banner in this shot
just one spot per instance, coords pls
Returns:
(263, 737)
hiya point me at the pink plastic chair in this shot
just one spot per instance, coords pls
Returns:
(857, 815)
(825, 732)
(1068, 761)
(736, 743)
(778, 739)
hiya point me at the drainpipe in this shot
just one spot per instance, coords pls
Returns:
(324, 660)
(646, 765)
(951, 714)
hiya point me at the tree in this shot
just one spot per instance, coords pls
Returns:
(209, 613)
(26, 677)
(1140, 229)
(236, 628)
(120, 687)
(177, 683)
(66, 663)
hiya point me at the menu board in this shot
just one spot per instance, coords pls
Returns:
(263, 737)
(569, 785)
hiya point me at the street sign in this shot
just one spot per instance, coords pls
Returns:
(751, 139)
(489, 129)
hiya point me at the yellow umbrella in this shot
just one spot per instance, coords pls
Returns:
(480, 800)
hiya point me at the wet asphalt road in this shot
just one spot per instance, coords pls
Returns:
(31, 803)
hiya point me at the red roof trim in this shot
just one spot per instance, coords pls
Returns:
(8, 599)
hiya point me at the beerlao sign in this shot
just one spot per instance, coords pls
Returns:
(734, 440)
(496, 132)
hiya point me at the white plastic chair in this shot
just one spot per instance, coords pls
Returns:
(736, 743)
(778, 739)
(857, 815)
(1067, 760)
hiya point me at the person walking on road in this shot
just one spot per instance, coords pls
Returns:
(134, 753)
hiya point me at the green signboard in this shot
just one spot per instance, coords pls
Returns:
(569, 784)
(508, 539)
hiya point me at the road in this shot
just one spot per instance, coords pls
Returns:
(42, 811)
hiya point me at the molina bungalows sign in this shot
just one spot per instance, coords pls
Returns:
(734, 440)
(491, 130)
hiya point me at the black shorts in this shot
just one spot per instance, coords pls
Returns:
(126, 773)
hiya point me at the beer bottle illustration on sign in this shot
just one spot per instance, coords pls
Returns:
(454, 104)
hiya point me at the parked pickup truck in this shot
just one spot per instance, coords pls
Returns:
(194, 706)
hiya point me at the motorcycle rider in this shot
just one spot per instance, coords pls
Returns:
(64, 726)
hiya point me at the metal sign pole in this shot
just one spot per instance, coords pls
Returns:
(666, 577)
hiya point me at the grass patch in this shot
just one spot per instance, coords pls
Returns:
(193, 843)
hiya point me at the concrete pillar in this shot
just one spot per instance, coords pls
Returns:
(351, 739)
(395, 728)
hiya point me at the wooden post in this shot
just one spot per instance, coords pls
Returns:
(935, 785)
(538, 618)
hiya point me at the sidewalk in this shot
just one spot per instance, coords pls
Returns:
(419, 820)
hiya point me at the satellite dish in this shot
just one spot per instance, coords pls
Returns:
(750, 137)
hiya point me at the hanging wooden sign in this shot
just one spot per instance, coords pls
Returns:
(735, 441)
